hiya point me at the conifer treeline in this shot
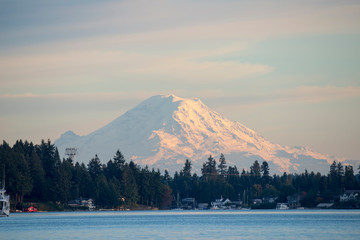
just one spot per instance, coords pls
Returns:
(35, 173)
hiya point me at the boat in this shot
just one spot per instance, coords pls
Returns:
(4, 200)
(30, 209)
(282, 206)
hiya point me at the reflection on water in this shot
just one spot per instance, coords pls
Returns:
(242, 224)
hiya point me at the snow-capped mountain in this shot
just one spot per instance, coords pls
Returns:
(163, 131)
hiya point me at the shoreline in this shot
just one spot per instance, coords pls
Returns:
(188, 210)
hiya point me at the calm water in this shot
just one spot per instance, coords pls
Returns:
(250, 224)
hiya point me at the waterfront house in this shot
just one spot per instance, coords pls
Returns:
(257, 201)
(349, 195)
(188, 203)
(225, 204)
(86, 203)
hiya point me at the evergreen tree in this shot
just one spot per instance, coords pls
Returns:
(50, 160)
(144, 187)
(119, 159)
(340, 169)
(38, 177)
(233, 178)
(103, 191)
(334, 178)
(135, 169)
(94, 167)
(64, 183)
(156, 188)
(255, 173)
(46, 151)
(187, 168)
(22, 182)
(130, 189)
(194, 186)
(333, 169)
(222, 165)
(350, 180)
(86, 188)
(115, 192)
(166, 178)
(265, 168)
(255, 169)
(110, 170)
(209, 168)
(341, 173)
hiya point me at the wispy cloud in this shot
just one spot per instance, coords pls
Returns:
(117, 67)
(300, 94)
(317, 94)
(142, 47)
(188, 21)
(84, 96)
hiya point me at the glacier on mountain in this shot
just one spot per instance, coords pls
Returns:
(165, 130)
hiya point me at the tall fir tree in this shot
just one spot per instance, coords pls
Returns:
(94, 167)
(130, 188)
(38, 177)
(265, 168)
(222, 166)
(187, 168)
(119, 159)
(209, 168)
(350, 180)
(255, 169)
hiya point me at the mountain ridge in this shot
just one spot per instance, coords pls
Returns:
(165, 130)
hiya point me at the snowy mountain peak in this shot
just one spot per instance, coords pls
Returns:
(164, 130)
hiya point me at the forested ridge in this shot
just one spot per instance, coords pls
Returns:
(35, 173)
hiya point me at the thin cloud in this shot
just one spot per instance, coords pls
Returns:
(318, 94)
(301, 94)
(54, 70)
(84, 96)
(19, 96)
(167, 52)
(188, 21)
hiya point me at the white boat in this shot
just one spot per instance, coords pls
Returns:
(282, 206)
(4, 200)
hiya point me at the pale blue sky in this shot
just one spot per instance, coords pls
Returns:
(289, 70)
